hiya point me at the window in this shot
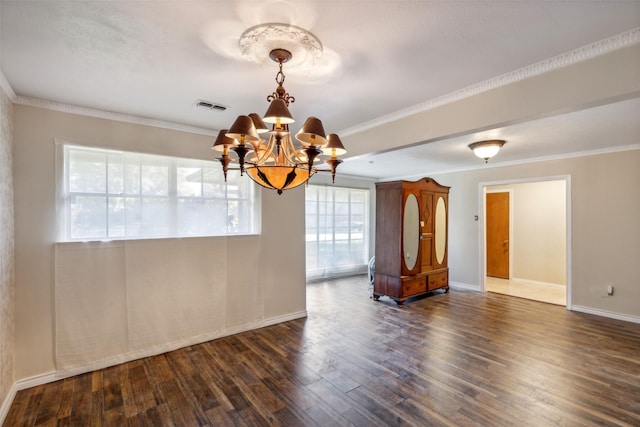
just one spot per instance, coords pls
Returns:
(337, 231)
(110, 194)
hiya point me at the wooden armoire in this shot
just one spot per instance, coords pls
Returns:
(411, 239)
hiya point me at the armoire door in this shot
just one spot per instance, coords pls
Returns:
(426, 230)
(411, 234)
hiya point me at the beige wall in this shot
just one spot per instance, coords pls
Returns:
(278, 253)
(6, 249)
(605, 233)
(538, 243)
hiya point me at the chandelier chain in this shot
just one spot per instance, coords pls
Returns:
(281, 92)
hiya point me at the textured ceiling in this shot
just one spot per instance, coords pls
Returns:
(154, 59)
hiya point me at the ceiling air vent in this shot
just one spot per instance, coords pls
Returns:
(201, 103)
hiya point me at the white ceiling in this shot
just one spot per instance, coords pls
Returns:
(154, 59)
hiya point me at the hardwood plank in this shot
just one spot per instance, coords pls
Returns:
(64, 409)
(461, 358)
(139, 394)
(182, 412)
(160, 416)
(185, 372)
(159, 369)
(213, 391)
(96, 380)
(21, 404)
(97, 408)
(218, 416)
(112, 390)
(81, 400)
(49, 404)
(298, 401)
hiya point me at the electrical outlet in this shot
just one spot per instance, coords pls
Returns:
(609, 290)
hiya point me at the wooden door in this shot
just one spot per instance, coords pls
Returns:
(497, 205)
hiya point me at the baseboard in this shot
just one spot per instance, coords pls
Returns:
(105, 363)
(464, 286)
(6, 404)
(21, 385)
(535, 282)
(287, 317)
(35, 380)
(604, 313)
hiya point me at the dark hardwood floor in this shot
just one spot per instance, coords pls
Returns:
(461, 358)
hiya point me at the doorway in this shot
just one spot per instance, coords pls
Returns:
(526, 239)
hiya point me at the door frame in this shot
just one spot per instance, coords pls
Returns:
(482, 189)
(484, 223)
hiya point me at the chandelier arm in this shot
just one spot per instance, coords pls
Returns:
(261, 158)
(289, 152)
(296, 158)
(314, 169)
(268, 152)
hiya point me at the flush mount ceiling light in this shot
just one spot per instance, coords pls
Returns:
(278, 164)
(487, 149)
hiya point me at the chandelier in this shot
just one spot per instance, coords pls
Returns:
(276, 163)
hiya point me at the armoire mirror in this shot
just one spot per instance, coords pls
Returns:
(440, 230)
(410, 231)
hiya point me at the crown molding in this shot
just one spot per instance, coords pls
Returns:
(108, 115)
(4, 84)
(590, 51)
(584, 53)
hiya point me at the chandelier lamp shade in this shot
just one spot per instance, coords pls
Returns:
(487, 149)
(274, 161)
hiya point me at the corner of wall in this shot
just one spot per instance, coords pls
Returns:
(6, 87)
(7, 255)
(6, 403)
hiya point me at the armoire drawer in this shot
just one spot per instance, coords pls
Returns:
(414, 286)
(438, 280)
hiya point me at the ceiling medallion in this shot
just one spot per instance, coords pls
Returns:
(259, 41)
